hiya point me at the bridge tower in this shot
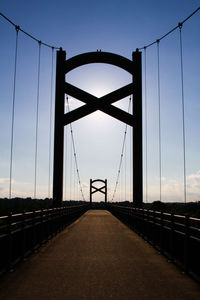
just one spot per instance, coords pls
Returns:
(133, 67)
(94, 189)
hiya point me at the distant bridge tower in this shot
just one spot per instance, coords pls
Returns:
(94, 189)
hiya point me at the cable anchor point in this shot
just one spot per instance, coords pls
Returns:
(180, 25)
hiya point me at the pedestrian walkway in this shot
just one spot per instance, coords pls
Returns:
(96, 258)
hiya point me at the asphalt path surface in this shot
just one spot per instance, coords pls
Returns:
(96, 258)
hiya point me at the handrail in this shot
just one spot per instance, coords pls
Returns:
(23, 233)
(176, 236)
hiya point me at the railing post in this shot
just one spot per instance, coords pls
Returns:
(64, 217)
(147, 232)
(33, 230)
(90, 192)
(161, 232)
(106, 193)
(132, 221)
(51, 224)
(53, 220)
(142, 223)
(9, 233)
(41, 226)
(60, 219)
(48, 227)
(23, 235)
(172, 237)
(186, 244)
(153, 231)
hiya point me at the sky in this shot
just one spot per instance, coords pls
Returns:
(112, 26)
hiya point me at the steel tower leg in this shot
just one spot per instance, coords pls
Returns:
(137, 130)
(59, 130)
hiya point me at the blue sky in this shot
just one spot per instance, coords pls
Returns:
(114, 26)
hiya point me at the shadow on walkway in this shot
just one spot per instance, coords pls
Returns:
(96, 258)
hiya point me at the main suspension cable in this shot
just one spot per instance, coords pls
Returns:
(141, 48)
(183, 111)
(170, 31)
(37, 119)
(26, 33)
(13, 111)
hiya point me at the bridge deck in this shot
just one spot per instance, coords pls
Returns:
(97, 257)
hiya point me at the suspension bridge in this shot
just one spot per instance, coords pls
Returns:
(71, 250)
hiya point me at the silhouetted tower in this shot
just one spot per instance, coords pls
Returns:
(104, 104)
(102, 189)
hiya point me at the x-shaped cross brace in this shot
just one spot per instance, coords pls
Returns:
(93, 103)
(98, 189)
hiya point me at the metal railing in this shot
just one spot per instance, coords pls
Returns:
(23, 233)
(177, 237)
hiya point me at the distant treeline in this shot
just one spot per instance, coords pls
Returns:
(17, 205)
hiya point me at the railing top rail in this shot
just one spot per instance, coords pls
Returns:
(194, 219)
(44, 210)
(167, 214)
(17, 215)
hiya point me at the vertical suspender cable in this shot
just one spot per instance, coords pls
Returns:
(131, 156)
(74, 182)
(37, 117)
(13, 111)
(159, 120)
(75, 158)
(50, 124)
(70, 174)
(77, 196)
(66, 156)
(125, 155)
(66, 174)
(146, 133)
(125, 170)
(118, 180)
(121, 180)
(183, 110)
